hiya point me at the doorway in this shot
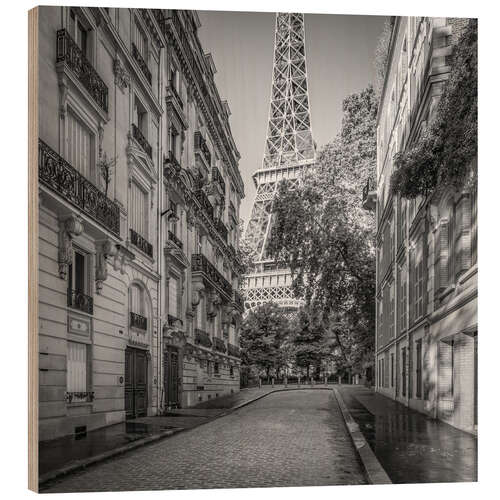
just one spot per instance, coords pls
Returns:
(136, 387)
(171, 377)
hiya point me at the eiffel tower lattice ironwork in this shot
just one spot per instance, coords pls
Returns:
(289, 151)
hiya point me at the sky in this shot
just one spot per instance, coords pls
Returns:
(339, 52)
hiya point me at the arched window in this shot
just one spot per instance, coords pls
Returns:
(138, 310)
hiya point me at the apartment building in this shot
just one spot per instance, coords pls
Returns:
(426, 334)
(132, 237)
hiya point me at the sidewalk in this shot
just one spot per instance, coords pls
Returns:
(63, 455)
(411, 447)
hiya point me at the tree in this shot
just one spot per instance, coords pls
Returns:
(326, 238)
(264, 334)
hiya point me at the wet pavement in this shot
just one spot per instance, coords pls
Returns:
(289, 438)
(411, 447)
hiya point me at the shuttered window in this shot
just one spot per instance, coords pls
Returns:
(418, 368)
(79, 144)
(403, 371)
(463, 235)
(138, 210)
(76, 380)
(473, 223)
(173, 296)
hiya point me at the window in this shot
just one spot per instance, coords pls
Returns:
(174, 78)
(78, 275)
(418, 368)
(140, 41)
(473, 225)
(78, 32)
(392, 369)
(231, 371)
(209, 368)
(80, 146)
(174, 296)
(139, 210)
(136, 298)
(174, 142)
(140, 117)
(417, 281)
(216, 368)
(403, 371)
(77, 382)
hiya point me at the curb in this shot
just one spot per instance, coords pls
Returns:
(374, 470)
(83, 463)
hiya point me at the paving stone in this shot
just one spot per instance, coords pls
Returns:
(293, 438)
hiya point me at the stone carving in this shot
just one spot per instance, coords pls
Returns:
(105, 249)
(122, 78)
(68, 229)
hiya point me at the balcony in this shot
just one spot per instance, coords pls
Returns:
(369, 199)
(201, 196)
(142, 63)
(141, 243)
(58, 175)
(233, 350)
(239, 301)
(139, 137)
(67, 51)
(200, 264)
(176, 241)
(221, 229)
(78, 300)
(138, 321)
(202, 338)
(219, 345)
(218, 180)
(200, 147)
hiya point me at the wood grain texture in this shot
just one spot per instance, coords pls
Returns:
(33, 249)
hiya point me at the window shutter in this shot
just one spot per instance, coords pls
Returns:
(463, 241)
(77, 367)
(441, 252)
(445, 371)
(411, 284)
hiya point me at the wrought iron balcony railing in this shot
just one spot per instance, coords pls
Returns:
(202, 338)
(139, 137)
(57, 174)
(199, 263)
(79, 397)
(217, 178)
(138, 321)
(219, 345)
(369, 199)
(173, 28)
(239, 301)
(200, 144)
(173, 238)
(141, 243)
(233, 350)
(68, 51)
(204, 202)
(78, 300)
(142, 63)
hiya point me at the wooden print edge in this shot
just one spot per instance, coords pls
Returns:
(33, 249)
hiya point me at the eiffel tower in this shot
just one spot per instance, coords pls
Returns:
(289, 151)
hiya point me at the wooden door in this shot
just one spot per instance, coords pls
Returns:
(136, 376)
(171, 377)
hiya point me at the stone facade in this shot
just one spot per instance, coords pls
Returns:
(426, 336)
(124, 204)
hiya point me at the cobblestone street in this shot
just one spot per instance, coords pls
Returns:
(291, 438)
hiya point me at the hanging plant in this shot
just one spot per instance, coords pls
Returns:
(443, 154)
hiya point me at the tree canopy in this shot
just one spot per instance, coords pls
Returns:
(323, 234)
